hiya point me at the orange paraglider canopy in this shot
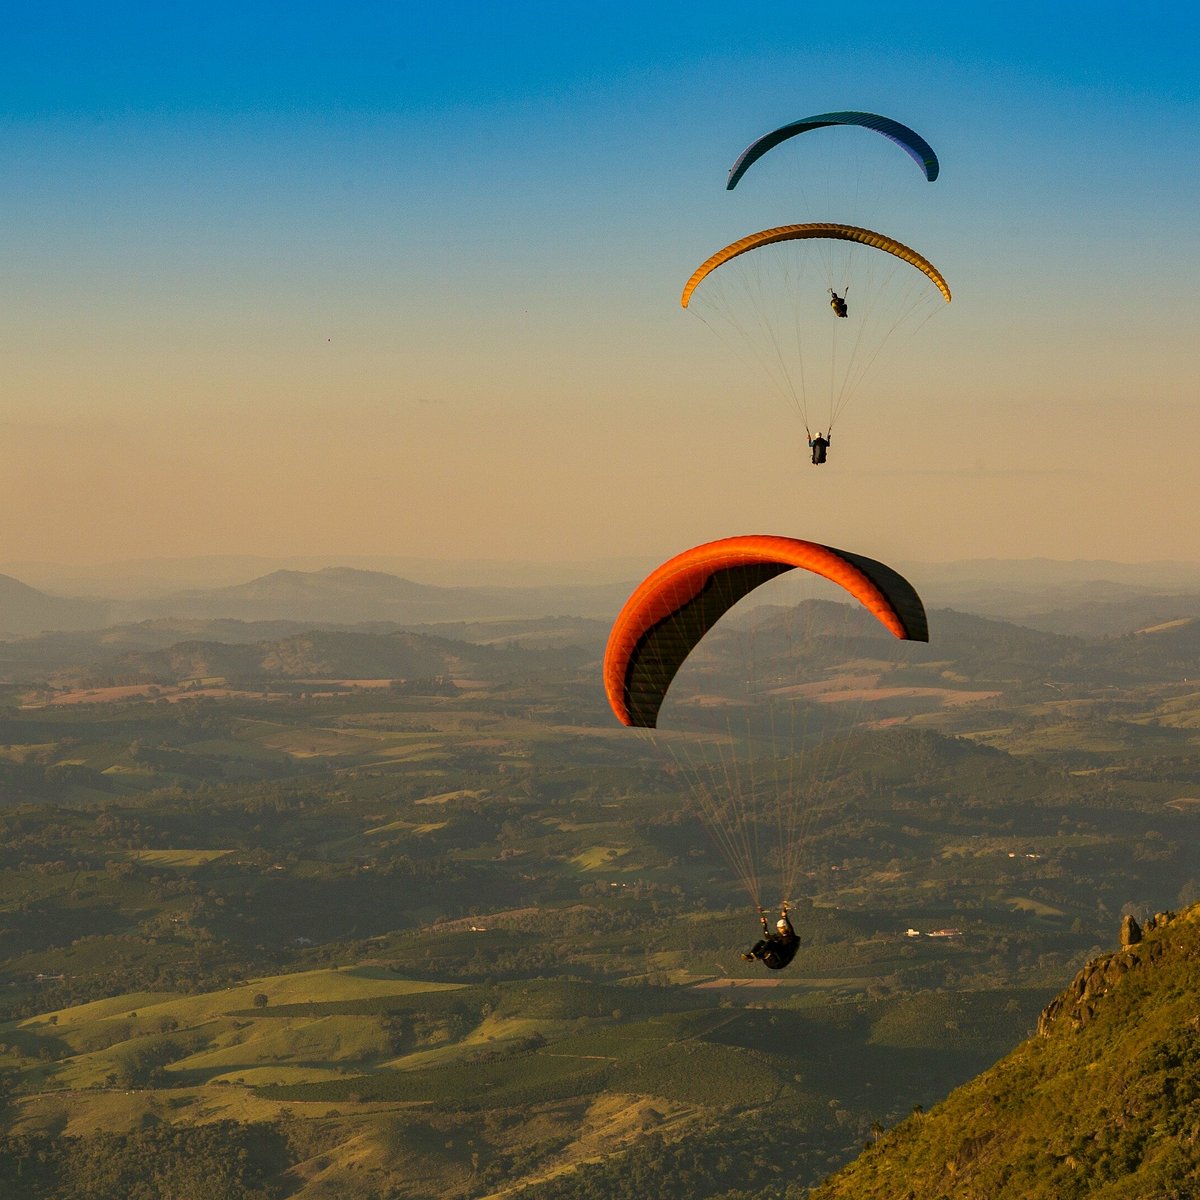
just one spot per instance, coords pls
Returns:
(677, 604)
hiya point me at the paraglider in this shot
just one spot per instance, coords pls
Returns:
(757, 773)
(679, 602)
(757, 289)
(911, 142)
(774, 950)
(763, 307)
(757, 294)
(757, 777)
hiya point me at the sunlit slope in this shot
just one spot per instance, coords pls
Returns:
(1103, 1104)
(490, 1083)
(164, 1039)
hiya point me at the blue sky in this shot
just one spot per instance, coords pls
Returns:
(404, 279)
(304, 60)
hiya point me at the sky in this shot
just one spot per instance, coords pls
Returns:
(403, 279)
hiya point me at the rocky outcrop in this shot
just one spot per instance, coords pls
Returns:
(1072, 1009)
(1131, 932)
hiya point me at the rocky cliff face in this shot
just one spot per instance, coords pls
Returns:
(1075, 1007)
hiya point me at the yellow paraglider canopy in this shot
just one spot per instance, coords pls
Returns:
(841, 233)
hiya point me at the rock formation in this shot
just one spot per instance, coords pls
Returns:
(1075, 1007)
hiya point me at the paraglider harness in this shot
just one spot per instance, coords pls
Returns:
(819, 445)
(838, 303)
(774, 950)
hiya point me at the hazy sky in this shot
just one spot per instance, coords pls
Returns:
(403, 279)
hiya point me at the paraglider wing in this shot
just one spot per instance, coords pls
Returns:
(911, 142)
(842, 233)
(676, 605)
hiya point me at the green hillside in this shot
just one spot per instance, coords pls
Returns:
(1103, 1103)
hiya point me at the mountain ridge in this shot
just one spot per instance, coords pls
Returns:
(337, 595)
(1103, 1101)
(28, 610)
(1080, 599)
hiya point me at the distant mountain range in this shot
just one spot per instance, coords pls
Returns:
(337, 595)
(1055, 572)
(347, 595)
(137, 579)
(25, 610)
(1064, 598)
